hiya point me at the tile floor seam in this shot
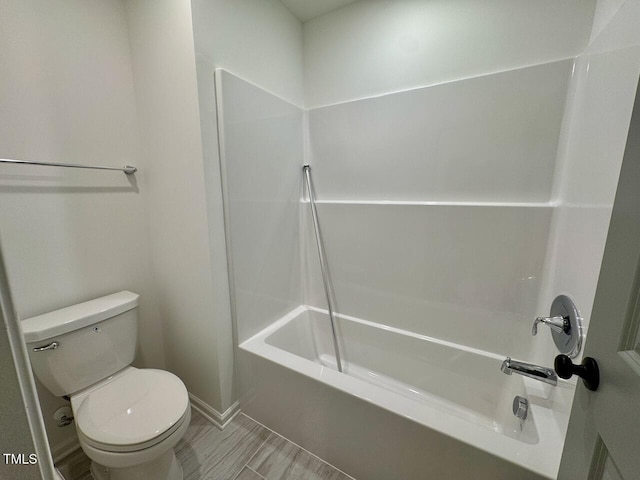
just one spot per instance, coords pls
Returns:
(235, 477)
(301, 448)
(246, 465)
(258, 449)
(263, 478)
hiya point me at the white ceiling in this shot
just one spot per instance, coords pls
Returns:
(308, 9)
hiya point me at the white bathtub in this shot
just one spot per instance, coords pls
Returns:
(457, 397)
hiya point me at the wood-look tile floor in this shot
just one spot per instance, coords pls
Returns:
(244, 450)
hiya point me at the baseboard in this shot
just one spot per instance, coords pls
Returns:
(64, 449)
(220, 420)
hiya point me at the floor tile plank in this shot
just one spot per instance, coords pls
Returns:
(279, 459)
(207, 453)
(75, 466)
(248, 474)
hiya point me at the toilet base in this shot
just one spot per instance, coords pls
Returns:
(165, 467)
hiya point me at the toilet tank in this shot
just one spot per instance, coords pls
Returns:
(95, 339)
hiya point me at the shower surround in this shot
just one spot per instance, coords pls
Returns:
(440, 211)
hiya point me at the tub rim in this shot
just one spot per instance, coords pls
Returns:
(550, 406)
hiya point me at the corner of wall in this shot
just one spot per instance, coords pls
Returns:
(164, 64)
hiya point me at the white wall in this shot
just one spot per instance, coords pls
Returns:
(605, 11)
(621, 31)
(163, 56)
(378, 46)
(67, 95)
(259, 40)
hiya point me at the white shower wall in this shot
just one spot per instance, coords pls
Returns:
(261, 41)
(491, 138)
(261, 146)
(435, 205)
(462, 273)
(559, 157)
(373, 47)
(592, 145)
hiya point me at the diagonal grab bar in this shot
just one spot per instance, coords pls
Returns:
(326, 280)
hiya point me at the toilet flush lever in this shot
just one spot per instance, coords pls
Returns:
(51, 346)
(557, 324)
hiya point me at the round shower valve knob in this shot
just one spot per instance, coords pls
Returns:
(565, 324)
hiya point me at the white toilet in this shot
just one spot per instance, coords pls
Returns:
(128, 420)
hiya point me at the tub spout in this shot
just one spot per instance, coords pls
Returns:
(543, 374)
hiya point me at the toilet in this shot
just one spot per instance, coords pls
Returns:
(128, 419)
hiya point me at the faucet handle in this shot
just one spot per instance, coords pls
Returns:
(558, 324)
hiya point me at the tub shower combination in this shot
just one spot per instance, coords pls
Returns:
(449, 388)
(411, 383)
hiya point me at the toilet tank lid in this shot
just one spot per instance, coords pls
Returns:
(77, 316)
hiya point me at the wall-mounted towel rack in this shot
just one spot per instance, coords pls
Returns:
(128, 169)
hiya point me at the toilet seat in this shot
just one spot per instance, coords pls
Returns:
(131, 411)
(131, 448)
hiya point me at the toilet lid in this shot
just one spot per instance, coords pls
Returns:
(133, 408)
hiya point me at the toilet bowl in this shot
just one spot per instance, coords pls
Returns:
(128, 420)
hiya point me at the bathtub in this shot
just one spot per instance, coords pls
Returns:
(406, 406)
